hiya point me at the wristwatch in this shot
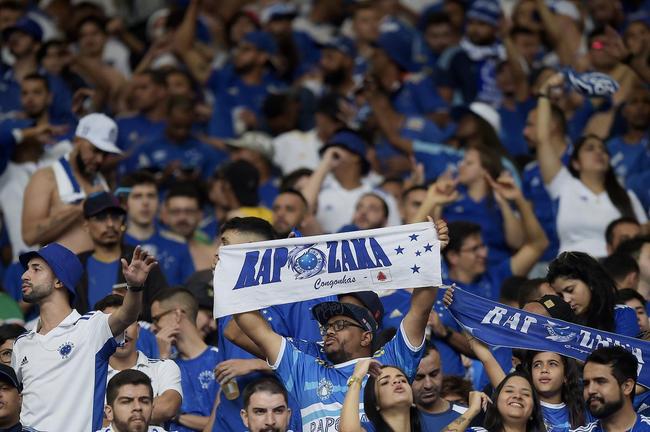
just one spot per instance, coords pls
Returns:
(354, 379)
(134, 288)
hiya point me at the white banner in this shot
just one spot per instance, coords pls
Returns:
(252, 276)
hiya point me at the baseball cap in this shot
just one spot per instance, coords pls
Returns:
(99, 202)
(557, 308)
(27, 26)
(256, 141)
(278, 11)
(64, 264)
(398, 46)
(342, 44)
(8, 375)
(481, 109)
(262, 40)
(350, 141)
(487, 11)
(100, 130)
(371, 302)
(326, 310)
(201, 285)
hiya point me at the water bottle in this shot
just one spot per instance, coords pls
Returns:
(231, 389)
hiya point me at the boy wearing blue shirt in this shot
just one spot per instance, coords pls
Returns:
(174, 317)
(173, 256)
(610, 377)
(348, 331)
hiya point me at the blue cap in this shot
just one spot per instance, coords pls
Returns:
(487, 11)
(398, 45)
(27, 26)
(350, 141)
(278, 11)
(342, 44)
(64, 264)
(262, 40)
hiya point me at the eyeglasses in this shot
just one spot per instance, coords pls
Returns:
(5, 355)
(475, 249)
(338, 326)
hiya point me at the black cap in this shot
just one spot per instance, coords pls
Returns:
(557, 308)
(8, 375)
(371, 301)
(326, 310)
(99, 202)
(201, 285)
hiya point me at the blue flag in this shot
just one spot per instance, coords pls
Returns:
(500, 325)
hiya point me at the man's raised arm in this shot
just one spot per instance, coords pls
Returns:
(258, 330)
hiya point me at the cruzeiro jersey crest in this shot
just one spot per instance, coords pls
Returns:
(306, 261)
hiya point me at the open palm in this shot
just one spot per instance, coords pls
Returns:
(136, 272)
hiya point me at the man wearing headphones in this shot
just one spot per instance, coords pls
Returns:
(105, 224)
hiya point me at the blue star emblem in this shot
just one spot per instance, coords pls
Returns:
(400, 250)
(428, 247)
(414, 237)
(418, 253)
(415, 269)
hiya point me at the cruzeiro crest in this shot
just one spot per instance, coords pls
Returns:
(558, 333)
(306, 261)
(325, 388)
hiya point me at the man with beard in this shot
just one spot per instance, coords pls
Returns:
(435, 412)
(53, 208)
(67, 353)
(371, 212)
(266, 406)
(609, 379)
(129, 403)
(337, 65)
(104, 222)
(289, 211)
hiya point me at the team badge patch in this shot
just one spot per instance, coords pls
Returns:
(325, 388)
(65, 350)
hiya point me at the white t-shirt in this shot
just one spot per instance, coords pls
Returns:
(64, 373)
(296, 149)
(336, 205)
(164, 374)
(583, 216)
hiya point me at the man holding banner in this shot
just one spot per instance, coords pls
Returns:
(397, 257)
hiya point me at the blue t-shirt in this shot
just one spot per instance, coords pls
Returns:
(418, 96)
(556, 417)
(133, 131)
(268, 191)
(198, 384)
(642, 424)
(487, 215)
(295, 320)
(160, 152)
(627, 159)
(320, 388)
(173, 257)
(625, 321)
(101, 278)
(544, 206)
(396, 306)
(450, 359)
(489, 283)
(437, 422)
(512, 125)
(147, 342)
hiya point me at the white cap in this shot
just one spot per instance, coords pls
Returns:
(100, 130)
(487, 113)
(256, 141)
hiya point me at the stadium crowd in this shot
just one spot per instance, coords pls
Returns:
(138, 137)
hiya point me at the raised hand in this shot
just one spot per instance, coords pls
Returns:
(137, 271)
(504, 187)
(365, 367)
(443, 233)
(478, 401)
(448, 298)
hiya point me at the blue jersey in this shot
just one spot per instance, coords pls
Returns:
(512, 125)
(627, 158)
(199, 386)
(396, 306)
(438, 422)
(487, 215)
(556, 417)
(320, 389)
(625, 322)
(450, 360)
(133, 131)
(418, 96)
(101, 278)
(295, 320)
(268, 191)
(487, 285)
(159, 153)
(147, 342)
(173, 257)
(642, 424)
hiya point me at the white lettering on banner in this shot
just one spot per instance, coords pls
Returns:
(496, 314)
(252, 276)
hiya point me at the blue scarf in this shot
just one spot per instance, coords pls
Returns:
(500, 325)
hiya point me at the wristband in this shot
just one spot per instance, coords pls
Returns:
(134, 288)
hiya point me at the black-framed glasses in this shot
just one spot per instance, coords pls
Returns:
(338, 326)
(155, 319)
(5, 355)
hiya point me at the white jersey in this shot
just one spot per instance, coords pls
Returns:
(64, 373)
(151, 429)
(164, 374)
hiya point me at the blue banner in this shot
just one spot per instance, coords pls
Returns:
(500, 325)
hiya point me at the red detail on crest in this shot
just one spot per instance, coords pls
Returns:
(381, 276)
